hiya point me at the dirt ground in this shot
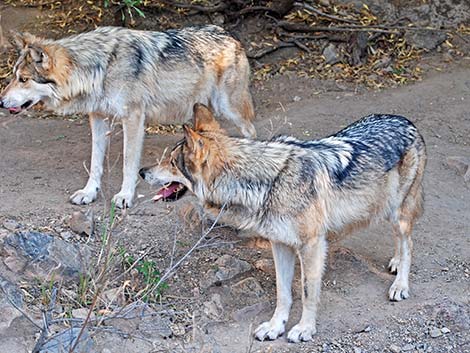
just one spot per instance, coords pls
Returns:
(42, 164)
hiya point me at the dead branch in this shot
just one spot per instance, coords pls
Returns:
(322, 14)
(300, 27)
(270, 50)
(294, 42)
(198, 8)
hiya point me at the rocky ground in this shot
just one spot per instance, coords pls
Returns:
(226, 287)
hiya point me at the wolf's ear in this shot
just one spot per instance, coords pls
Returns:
(193, 139)
(204, 120)
(21, 40)
(39, 56)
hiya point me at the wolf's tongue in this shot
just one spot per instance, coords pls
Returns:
(169, 190)
(14, 110)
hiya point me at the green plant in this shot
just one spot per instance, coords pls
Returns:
(149, 273)
(127, 7)
(46, 291)
(83, 289)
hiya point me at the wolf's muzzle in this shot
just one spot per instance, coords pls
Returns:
(1, 102)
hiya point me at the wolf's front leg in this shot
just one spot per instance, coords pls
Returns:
(284, 261)
(134, 131)
(99, 134)
(312, 261)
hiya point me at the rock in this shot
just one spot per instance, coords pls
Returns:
(11, 225)
(227, 268)
(13, 345)
(265, 265)
(248, 313)
(331, 54)
(155, 325)
(82, 223)
(66, 340)
(8, 312)
(297, 99)
(357, 350)
(425, 39)
(248, 287)
(325, 3)
(445, 330)
(407, 347)
(35, 254)
(394, 348)
(82, 313)
(67, 235)
(435, 332)
(214, 308)
(459, 164)
(230, 266)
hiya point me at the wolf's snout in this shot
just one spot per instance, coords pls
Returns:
(142, 172)
(1, 102)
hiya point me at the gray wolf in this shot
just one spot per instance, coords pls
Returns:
(294, 193)
(132, 76)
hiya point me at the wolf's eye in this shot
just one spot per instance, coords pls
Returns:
(23, 79)
(173, 163)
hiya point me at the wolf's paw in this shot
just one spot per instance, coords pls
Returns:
(84, 196)
(398, 291)
(270, 330)
(393, 264)
(123, 200)
(301, 333)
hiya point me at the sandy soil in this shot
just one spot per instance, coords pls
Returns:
(42, 164)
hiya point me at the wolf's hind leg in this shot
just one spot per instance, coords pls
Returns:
(284, 261)
(134, 131)
(241, 113)
(99, 130)
(312, 262)
(409, 211)
(400, 287)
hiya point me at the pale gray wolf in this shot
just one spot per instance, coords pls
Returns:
(132, 76)
(294, 193)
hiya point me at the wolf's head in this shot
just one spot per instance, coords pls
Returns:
(41, 68)
(195, 160)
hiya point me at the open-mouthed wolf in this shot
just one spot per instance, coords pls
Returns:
(132, 76)
(294, 193)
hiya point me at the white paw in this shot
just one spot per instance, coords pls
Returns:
(123, 200)
(270, 330)
(301, 333)
(393, 264)
(84, 196)
(398, 291)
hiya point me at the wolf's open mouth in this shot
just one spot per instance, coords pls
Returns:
(16, 110)
(170, 192)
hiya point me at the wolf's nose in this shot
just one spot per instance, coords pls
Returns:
(142, 172)
(1, 102)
